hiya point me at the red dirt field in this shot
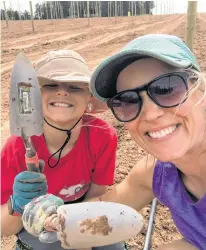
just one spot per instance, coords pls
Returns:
(101, 38)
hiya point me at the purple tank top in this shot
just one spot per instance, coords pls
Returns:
(189, 217)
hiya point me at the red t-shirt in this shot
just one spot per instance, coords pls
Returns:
(92, 160)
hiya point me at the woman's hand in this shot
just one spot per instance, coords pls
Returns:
(37, 211)
(51, 223)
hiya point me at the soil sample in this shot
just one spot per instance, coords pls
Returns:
(98, 225)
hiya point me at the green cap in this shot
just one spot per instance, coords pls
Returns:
(166, 48)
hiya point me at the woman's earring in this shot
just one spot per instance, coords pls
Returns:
(90, 107)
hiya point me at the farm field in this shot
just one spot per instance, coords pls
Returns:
(102, 38)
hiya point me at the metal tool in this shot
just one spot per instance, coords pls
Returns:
(150, 225)
(93, 224)
(26, 118)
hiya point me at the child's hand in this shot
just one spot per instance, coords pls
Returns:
(27, 186)
(37, 211)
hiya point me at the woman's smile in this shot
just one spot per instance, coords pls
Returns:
(164, 133)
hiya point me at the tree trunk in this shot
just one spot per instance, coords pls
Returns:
(6, 16)
(191, 22)
(32, 18)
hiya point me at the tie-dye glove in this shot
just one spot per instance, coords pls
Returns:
(38, 210)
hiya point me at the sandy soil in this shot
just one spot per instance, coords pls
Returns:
(95, 42)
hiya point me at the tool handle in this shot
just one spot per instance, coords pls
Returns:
(31, 157)
(150, 225)
(32, 161)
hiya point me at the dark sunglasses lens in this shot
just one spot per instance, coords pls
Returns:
(126, 106)
(168, 91)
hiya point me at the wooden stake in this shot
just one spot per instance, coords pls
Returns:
(100, 12)
(140, 4)
(47, 15)
(150, 11)
(88, 12)
(71, 9)
(191, 22)
(32, 17)
(51, 12)
(77, 9)
(55, 6)
(62, 12)
(132, 7)
(6, 16)
(135, 8)
(12, 18)
(20, 15)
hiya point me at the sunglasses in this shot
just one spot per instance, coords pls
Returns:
(167, 91)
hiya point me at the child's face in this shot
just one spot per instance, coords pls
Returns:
(166, 133)
(64, 102)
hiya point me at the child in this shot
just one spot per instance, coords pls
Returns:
(78, 149)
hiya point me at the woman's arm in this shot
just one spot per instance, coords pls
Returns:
(10, 225)
(136, 190)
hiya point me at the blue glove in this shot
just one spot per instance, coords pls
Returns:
(27, 186)
(38, 210)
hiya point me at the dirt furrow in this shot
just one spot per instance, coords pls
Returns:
(89, 36)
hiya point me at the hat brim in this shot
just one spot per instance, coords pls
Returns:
(71, 79)
(103, 80)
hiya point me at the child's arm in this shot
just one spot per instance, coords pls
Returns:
(10, 225)
(20, 185)
(96, 190)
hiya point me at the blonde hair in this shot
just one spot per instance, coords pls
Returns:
(150, 160)
(198, 81)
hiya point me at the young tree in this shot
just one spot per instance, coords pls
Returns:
(10, 13)
(3, 17)
(37, 13)
(27, 15)
(16, 15)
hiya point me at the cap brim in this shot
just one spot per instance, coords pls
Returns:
(45, 80)
(103, 80)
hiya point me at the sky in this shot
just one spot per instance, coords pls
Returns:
(163, 6)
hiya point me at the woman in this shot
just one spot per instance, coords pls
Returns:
(154, 85)
(78, 149)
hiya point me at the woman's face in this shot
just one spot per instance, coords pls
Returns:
(166, 133)
(64, 102)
